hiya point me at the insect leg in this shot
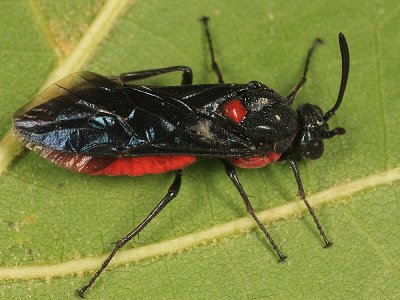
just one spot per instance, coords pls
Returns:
(303, 79)
(214, 64)
(187, 74)
(171, 194)
(230, 170)
(302, 195)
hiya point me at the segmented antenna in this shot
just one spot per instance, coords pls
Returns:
(344, 50)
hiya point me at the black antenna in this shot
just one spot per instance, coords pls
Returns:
(344, 50)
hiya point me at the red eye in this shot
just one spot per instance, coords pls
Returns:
(234, 110)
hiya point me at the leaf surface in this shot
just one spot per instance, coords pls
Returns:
(50, 217)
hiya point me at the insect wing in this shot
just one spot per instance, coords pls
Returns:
(89, 114)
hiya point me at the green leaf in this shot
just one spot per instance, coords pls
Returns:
(55, 223)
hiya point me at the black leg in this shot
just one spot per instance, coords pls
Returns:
(214, 64)
(302, 195)
(187, 74)
(172, 193)
(230, 170)
(303, 79)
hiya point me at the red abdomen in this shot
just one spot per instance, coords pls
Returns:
(128, 166)
(255, 162)
(137, 166)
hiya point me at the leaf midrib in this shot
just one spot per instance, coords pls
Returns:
(101, 26)
(182, 243)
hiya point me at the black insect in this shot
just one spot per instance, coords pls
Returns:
(106, 125)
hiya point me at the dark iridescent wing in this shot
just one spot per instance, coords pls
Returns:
(89, 114)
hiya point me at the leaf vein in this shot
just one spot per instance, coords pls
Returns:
(179, 244)
(101, 26)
